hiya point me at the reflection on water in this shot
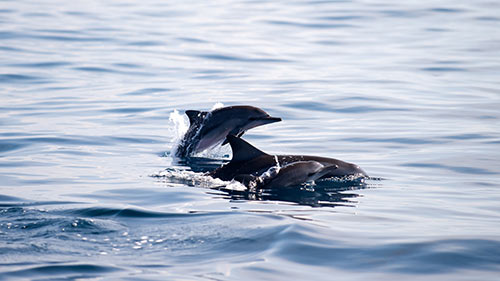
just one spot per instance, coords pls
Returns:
(308, 196)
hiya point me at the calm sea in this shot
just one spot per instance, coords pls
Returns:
(408, 90)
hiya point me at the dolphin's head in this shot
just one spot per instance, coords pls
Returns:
(239, 118)
(253, 117)
(300, 172)
(346, 169)
(356, 170)
(230, 120)
(320, 170)
(309, 168)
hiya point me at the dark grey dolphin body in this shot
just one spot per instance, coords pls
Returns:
(208, 129)
(293, 174)
(248, 162)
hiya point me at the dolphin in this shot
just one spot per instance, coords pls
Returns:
(292, 174)
(208, 129)
(248, 162)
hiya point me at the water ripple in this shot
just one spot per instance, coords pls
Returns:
(147, 91)
(443, 69)
(69, 271)
(96, 212)
(306, 105)
(310, 25)
(431, 257)
(457, 169)
(418, 140)
(19, 78)
(221, 57)
(49, 64)
(12, 144)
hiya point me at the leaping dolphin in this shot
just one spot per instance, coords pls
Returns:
(248, 162)
(208, 129)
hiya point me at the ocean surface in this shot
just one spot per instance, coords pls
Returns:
(92, 95)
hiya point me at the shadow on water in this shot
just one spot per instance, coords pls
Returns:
(323, 193)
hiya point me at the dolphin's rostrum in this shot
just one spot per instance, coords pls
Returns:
(207, 129)
(249, 164)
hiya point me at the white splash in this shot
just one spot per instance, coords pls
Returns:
(236, 186)
(216, 152)
(178, 126)
(217, 105)
(191, 178)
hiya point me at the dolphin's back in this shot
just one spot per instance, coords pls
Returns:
(249, 160)
(343, 168)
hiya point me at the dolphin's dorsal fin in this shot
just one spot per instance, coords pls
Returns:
(242, 150)
(195, 116)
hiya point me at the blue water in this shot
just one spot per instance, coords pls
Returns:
(408, 90)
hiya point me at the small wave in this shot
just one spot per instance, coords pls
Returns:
(456, 169)
(94, 69)
(4, 198)
(69, 38)
(131, 109)
(37, 222)
(447, 10)
(19, 202)
(71, 271)
(75, 140)
(443, 69)
(13, 144)
(49, 64)
(96, 212)
(317, 106)
(9, 146)
(430, 257)
(146, 43)
(317, 25)
(19, 78)
(145, 91)
(220, 57)
(416, 140)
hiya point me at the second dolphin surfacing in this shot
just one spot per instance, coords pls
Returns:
(248, 162)
(291, 175)
(207, 129)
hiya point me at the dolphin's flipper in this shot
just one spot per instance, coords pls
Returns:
(242, 150)
(195, 116)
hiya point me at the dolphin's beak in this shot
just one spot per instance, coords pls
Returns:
(268, 119)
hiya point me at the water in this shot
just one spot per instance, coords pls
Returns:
(407, 90)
